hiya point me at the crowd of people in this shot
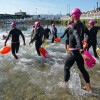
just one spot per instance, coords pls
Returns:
(75, 33)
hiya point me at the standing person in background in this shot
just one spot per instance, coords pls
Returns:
(47, 32)
(15, 44)
(76, 52)
(54, 32)
(67, 34)
(4, 37)
(93, 37)
(38, 37)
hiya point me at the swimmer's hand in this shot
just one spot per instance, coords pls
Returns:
(85, 58)
(86, 46)
(24, 44)
(30, 42)
(4, 44)
(43, 41)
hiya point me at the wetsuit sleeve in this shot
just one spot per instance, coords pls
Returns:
(87, 35)
(8, 36)
(98, 27)
(77, 37)
(35, 36)
(44, 35)
(50, 31)
(56, 30)
(22, 35)
(65, 33)
(67, 38)
(96, 30)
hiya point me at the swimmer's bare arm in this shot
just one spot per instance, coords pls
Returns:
(66, 31)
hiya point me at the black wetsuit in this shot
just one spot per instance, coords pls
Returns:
(93, 39)
(83, 31)
(15, 33)
(67, 36)
(38, 36)
(75, 41)
(47, 31)
(54, 32)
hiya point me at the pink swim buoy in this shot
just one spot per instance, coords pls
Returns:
(92, 60)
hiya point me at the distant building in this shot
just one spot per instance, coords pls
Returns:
(20, 13)
(83, 13)
(98, 9)
(7, 16)
(88, 12)
(93, 11)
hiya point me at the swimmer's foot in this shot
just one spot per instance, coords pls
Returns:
(87, 88)
(16, 57)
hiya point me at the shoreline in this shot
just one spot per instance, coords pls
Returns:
(56, 21)
(50, 21)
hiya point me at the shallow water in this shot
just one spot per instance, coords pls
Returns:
(36, 78)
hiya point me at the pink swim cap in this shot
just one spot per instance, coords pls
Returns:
(46, 26)
(76, 13)
(3, 36)
(33, 26)
(13, 24)
(69, 23)
(53, 25)
(37, 23)
(91, 22)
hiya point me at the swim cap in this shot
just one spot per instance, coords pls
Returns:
(91, 22)
(3, 36)
(46, 26)
(53, 25)
(13, 24)
(76, 13)
(37, 23)
(69, 23)
(33, 26)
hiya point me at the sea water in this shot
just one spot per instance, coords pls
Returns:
(35, 78)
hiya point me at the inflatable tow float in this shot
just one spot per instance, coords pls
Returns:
(43, 52)
(5, 50)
